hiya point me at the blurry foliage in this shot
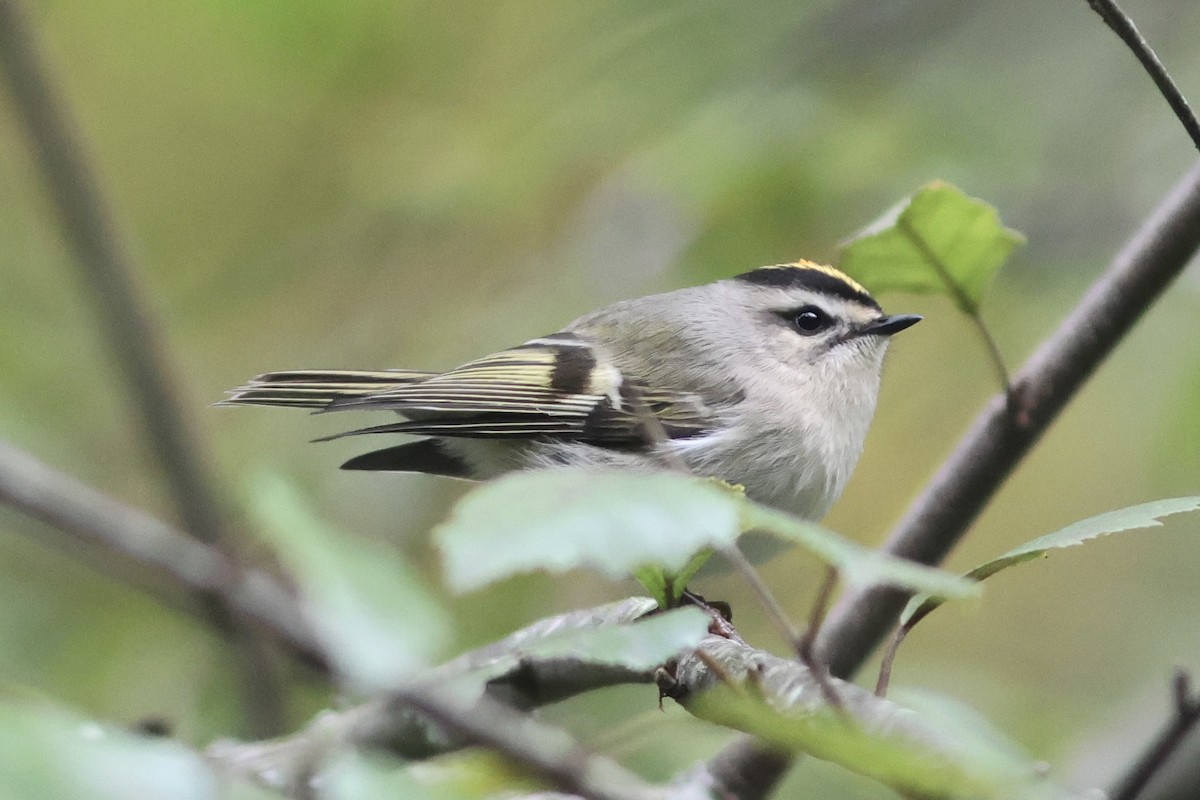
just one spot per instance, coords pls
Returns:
(366, 184)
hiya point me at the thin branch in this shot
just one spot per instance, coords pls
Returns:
(889, 658)
(135, 336)
(42, 492)
(547, 751)
(106, 264)
(1184, 720)
(749, 768)
(289, 765)
(392, 726)
(1123, 26)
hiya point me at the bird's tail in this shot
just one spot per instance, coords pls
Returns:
(313, 388)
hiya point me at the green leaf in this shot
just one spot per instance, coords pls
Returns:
(1146, 515)
(569, 517)
(666, 587)
(885, 742)
(856, 564)
(939, 240)
(355, 776)
(639, 646)
(365, 604)
(50, 753)
(620, 523)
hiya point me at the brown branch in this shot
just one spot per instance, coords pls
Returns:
(135, 335)
(1123, 27)
(547, 751)
(473, 699)
(1185, 718)
(42, 492)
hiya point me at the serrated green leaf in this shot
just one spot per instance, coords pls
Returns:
(857, 565)
(938, 240)
(565, 518)
(365, 604)
(1145, 515)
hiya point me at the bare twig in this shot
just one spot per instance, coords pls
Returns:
(805, 644)
(1185, 718)
(509, 670)
(42, 492)
(134, 334)
(290, 764)
(889, 658)
(549, 752)
(748, 768)
(1123, 26)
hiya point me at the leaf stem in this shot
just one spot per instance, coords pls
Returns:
(964, 303)
(889, 657)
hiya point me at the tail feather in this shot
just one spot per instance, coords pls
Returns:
(318, 388)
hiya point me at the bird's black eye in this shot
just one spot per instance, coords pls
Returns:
(810, 319)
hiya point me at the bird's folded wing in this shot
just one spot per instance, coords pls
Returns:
(557, 386)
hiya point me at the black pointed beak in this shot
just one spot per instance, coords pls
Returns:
(886, 326)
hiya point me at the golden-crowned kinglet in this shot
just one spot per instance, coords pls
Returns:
(767, 380)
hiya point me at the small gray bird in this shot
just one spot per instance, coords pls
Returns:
(768, 380)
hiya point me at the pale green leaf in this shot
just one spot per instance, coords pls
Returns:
(857, 565)
(365, 604)
(1145, 515)
(938, 240)
(358, 776)
(899, 749)
(639, 646)
(561, 519)
(50, 753)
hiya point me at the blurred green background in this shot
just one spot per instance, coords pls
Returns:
(373, 184)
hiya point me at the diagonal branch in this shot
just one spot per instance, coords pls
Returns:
(1184, 720)
(135, 336)
(42, 492)
(1123, 27)
(508, 671)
